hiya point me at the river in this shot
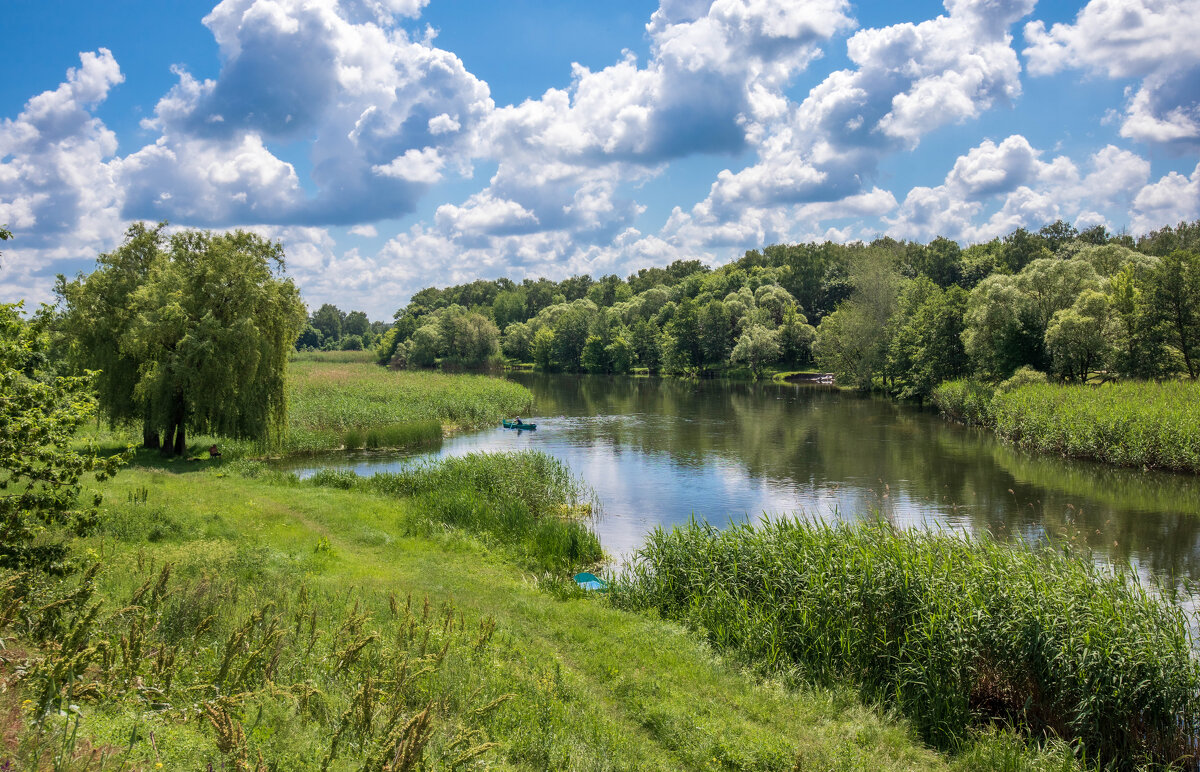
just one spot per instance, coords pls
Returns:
(658, 451)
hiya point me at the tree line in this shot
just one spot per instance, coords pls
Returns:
(894, 315)
(329, 328)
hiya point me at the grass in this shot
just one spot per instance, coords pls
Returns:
(954, 632)
(250, 646)
(524, 503)
(340, 399)
(1141, 424)
(329, 401)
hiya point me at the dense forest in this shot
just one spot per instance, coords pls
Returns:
(901, 316)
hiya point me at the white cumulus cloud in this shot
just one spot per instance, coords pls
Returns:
(1150, 40)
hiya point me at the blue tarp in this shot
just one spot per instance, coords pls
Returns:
(589, 582)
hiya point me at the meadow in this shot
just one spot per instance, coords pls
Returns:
(1130, 423)
(247, 620)
(342, 400)
(953, 632)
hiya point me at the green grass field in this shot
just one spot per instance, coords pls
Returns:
(273, 582)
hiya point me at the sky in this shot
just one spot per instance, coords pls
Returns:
(392, 145)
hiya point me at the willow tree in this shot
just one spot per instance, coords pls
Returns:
(196, 330)
(215, 323)
(98, 315)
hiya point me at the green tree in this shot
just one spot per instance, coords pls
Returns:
(1175, 297)
(941, 260)
(508, 308)
(543, 348)
(775, 300)
(926, 347)
(716, 333)
(310, 338)
(1142, 350)
(646, 344)
(796, 337)
(684, 329)
(595, 358)
(620, 354)
(41, 467)
(328, 319)
(1080, 339)
(213, 326)
(1057, 234)
(424, 346)
(356, 323)
(570, 335)
(467, 337)
(518, 341)
(757, 348)
(98, 314)
(851, 342)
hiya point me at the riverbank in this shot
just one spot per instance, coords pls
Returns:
(1141, 424)
(341, 400)
(258, 617)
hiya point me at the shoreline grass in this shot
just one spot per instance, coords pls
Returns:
(338, 402)
(1141, 424)
(953, 632)
(526, 504)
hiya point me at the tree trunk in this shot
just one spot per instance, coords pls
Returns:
(149, 437)
(180, 420)
(180, 441)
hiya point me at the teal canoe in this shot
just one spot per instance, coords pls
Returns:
(588, 581)
(511, 424)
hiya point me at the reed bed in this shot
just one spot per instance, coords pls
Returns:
(953, 631)
(525, 503)
(330, 403)
(1133, 423)
(966, 401)
(1153, 425)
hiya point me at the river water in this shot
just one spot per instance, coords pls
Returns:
(658, 452)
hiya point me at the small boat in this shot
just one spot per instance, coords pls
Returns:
(588, 581)
(511, 424)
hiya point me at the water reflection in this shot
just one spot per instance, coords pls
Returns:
(659, 451)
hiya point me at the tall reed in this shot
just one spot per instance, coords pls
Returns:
(952, 630)
(528, 503)
(1132, 423)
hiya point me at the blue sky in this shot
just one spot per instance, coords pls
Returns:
(394, 144)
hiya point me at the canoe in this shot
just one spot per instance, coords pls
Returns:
(511, 424)
(588, 581)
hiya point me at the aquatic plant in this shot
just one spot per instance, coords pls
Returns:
(954, 631)
(1131, 423)
(527, 503)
